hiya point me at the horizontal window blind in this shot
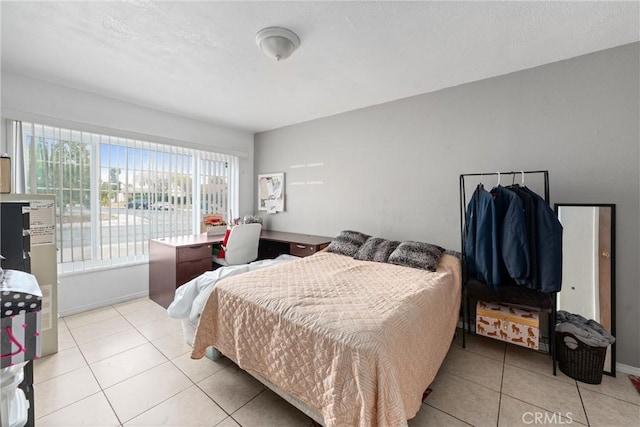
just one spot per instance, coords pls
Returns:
(114, 194)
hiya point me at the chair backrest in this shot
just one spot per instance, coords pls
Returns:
(242, 245)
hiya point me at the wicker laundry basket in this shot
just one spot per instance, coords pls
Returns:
(584, 363)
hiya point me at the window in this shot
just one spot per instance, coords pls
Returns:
(114, 194)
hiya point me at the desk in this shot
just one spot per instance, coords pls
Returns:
(174, 261)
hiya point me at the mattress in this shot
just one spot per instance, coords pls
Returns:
(356, 341)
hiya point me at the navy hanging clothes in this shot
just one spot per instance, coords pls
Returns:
(548, 245)
(481, 238)
(512, 233)
(529, 204)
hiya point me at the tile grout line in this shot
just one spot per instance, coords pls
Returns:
(526, 368)
(537, 406)
(451, 415)
(582, 403)
(98, 382)
(102, 390)
(191, 380)
(575, 384)
(167, 360)
(67, 405)
(148, 341)
(504, 361)
(608, 395)
(249, 401)
(211, 398)
(200, 388)
(479, 354)
(539, 373)
(92, 374)
(217, 404)
(471, 381)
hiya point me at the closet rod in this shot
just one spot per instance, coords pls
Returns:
(545, 174)
(503, 173)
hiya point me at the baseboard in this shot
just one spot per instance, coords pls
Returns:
(104, 303)
(627, 369)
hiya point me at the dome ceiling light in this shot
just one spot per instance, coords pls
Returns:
(277, 43)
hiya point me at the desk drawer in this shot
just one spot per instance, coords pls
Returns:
(189, 253)
(302, 250)
(188, 270)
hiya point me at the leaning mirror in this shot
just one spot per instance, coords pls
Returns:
(588, 266)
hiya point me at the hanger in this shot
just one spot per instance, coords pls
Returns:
(480, 184)
(513, 179)
(498, 185)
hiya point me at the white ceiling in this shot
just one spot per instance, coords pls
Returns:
(199, 59)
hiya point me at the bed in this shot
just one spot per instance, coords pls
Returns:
(349, 342)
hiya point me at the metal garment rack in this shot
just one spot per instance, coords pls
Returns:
(465, 296)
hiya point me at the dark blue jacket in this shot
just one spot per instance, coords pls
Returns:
(530, 219)
(512, 232)
(548, 245)
(481, 238)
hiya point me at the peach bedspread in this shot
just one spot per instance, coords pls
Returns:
(357, 341)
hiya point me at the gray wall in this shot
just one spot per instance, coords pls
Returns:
(392, 170)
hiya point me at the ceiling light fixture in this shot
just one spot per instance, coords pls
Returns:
(277, 43)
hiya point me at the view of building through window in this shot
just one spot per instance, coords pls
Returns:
(114, 194)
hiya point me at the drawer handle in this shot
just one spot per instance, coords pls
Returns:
(193, 261)
(301, 246)
(195, 247)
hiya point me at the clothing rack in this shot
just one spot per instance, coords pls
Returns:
(465, 295)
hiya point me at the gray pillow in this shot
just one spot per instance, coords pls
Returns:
(417, 255)
(347, 243)
(376, 249)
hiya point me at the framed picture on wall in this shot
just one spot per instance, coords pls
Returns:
(271, 192)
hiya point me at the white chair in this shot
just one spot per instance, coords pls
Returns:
(242, 245)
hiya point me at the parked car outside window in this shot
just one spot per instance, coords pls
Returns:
(138, 204)
(162, 206)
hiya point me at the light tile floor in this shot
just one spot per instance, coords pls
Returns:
(128, 365)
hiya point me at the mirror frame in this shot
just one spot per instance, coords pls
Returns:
(612, 372)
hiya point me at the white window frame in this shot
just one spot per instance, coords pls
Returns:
(197, 155)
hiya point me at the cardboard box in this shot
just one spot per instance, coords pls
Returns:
(509, 324)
